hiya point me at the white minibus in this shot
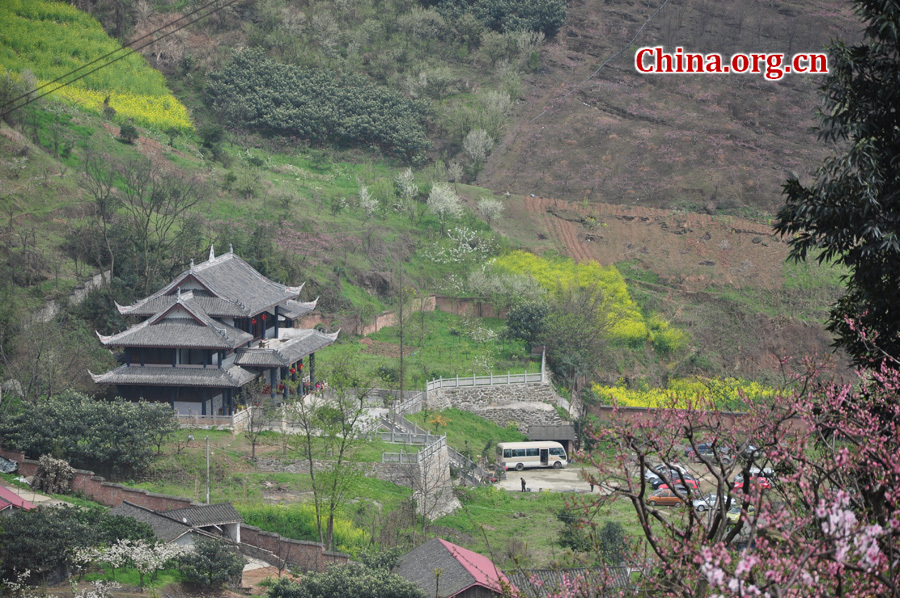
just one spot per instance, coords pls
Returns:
(540, 453)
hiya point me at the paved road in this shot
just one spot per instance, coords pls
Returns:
(567, 479)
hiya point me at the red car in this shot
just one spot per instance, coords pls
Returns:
(759, 482)
(678, 482)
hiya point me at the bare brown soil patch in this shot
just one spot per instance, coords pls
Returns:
(687, 250)
(668, 140)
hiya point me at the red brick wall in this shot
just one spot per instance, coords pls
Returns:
(97, 488)
(309, 556)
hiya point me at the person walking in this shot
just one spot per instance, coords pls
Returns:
(523, 484)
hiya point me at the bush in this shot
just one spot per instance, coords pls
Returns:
(128, 132)
(352, 579)
(105, 436)
(212, 565)
(43, 539)
(53, 476)
(319, 105)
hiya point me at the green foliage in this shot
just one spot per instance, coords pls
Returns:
(380, 557)
(525, 321)
(42, 539)
(50, 39)
(467, 428)
(351, 579)
(299, 522)
(212, 565)
(318, 105)
(128, 132)
(546, 16)
(849, 214)
(105, 436)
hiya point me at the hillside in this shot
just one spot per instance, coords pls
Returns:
(711, 143)
(669, 178)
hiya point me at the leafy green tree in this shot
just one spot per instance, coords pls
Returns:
(576, 333)
(128, 132)
(351, 579)
(114, 437)
(525, 321)
(850, 213)
(212, 565)
(43, 539)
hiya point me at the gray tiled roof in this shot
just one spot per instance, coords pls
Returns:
(297, 344)
(294, 309)
(558, 432)
(419, 565)
(211, 377)
(195, 329)
(229, 277)
(203, 515)
(553, 581)
(213, 306)
(460, 569)
(165, 528)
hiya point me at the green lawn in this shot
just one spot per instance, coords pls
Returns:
(467, 432)
(436, 344)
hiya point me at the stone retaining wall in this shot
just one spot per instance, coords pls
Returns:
(522, 404)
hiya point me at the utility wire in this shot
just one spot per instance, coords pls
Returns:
(114, 60)
(607, 61)
(107, 55)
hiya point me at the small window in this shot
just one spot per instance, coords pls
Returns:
(556, 451)
(532, 452)
(507, 453)
(518, 452)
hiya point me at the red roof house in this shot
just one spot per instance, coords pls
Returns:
(445, 570)
(10, 501)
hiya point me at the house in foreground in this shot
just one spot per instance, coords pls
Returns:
(444, 569)
(216, 328)
(10, 502)
(189, 525)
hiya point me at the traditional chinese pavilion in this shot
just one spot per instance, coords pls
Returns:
(209, 333)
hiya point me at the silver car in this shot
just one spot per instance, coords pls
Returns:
(705, 503)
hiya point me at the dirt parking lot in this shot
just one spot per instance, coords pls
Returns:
(567, 479)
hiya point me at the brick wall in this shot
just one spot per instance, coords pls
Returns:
(308, 556)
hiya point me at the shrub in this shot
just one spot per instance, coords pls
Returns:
(351, 579)
(53, 476)
(128, 132)
(212, 565)
(323, 106)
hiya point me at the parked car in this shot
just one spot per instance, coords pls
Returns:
(765, 472)
(734, 513)
(664, 497)
(705, 503)
(692, 483)
(707, 450)
(759, 482)
(655, 483)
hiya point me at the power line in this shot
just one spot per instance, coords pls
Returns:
(607, 61)
(114, 60)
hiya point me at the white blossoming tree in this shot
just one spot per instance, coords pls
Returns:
(443, 202)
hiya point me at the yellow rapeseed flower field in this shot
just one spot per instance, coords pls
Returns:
(51, 39)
